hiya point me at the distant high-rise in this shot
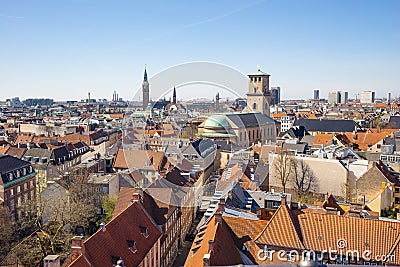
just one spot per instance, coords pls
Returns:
(316, 94)
(344, 97)
(338, 97)
(389, 96)
(367, 97)
(145, 90)
(333, 98)
(275, 95)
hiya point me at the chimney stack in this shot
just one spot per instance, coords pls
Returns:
(220, 210)
(206, 260)
(138, 195)
(283, 200)
(76, 247)
(51, 261)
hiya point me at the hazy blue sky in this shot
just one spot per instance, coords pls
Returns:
(63, 48)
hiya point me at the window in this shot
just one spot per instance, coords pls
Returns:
(144, 231)
(25, 186)
(12, 192)
(254, 106)
(131, 245)
(397, 190)
(11, 176)
(18, 189)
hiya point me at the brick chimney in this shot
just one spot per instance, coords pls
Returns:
(138, 195)
(51, 261)
(76, 247)
(283, 200)
(220, 210)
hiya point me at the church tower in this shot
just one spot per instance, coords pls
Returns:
(174, 96)
(259, 95)
(217, 102)
(145, 90)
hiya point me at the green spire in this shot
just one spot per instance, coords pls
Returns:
(145, 74)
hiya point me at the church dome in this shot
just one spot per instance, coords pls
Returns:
(216, 122)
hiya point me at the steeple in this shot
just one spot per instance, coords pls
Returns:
(145, 90)
(174, 96)
(145, 74)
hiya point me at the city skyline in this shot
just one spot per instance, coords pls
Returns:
(64, 49)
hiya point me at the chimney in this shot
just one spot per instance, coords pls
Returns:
(206, 260)
(220, 210)
(138, 195)
(51, 261)
(76, 247)
(210, 246)
(283, 200)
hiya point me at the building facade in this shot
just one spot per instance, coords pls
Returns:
(17, 183)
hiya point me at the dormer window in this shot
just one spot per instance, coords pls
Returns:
(144, 231)
(10, 176)
(131, 245)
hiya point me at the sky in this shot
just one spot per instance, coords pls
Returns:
(63, 49)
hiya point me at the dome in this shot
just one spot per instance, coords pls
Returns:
(216, 121)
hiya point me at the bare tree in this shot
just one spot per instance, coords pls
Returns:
(7, 232)
(283, 168)
(48, 224)
(304, 180)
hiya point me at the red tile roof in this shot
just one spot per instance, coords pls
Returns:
(281, 231)
(121, 232)
(213, 239)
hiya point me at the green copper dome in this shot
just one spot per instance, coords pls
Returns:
(216, 121)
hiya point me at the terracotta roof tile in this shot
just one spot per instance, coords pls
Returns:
(140, 159)
(122, 230)
(322, 139)
(223, 251)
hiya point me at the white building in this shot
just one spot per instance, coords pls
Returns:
(367, 97)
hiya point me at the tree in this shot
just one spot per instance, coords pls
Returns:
(48, 223)
(108, 204)
(7, 232)
(283, 167)
(304, 180)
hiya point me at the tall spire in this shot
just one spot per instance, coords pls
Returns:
(174, 96)
(145, 74)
